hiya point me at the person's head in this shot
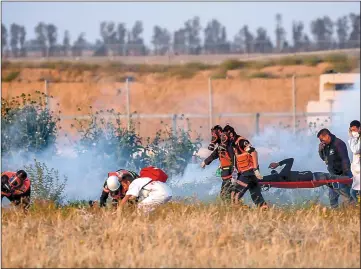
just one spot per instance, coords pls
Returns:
(4, 179)
(229, 131)
(113, 183)
(355, 128)
(17, 180)
(125, 182)
(325, 136)
(216, 132)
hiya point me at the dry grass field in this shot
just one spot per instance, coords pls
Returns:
(181, 235)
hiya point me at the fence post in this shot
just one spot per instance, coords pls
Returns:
(257, 122)
(128, 102)
(210, 103)
(174, 124)
(46, 94)
(294, 103)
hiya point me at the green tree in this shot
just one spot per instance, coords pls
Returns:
(51, 33)
(280, 33)
(322, 30)
(40, 31)
(66, 43)
(4, 38)
(355, 30)
(14, 40)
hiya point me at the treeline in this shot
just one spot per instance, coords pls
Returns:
(118, 40)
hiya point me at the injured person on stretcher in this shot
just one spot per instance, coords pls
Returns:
(286, 175)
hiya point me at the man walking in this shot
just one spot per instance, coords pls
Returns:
(333, 151)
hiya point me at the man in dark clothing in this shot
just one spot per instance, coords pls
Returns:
(333, 152)
(224, 152)
(287, 174)
(246, 163)
(117, 193)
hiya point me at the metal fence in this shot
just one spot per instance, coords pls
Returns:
(201, 123)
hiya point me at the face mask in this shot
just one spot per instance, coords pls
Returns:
(355, 134)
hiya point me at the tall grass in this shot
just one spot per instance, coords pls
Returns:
(180, 235)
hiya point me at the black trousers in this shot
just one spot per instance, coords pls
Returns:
(252, 185)
(226, 189)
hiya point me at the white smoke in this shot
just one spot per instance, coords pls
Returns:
(203, 183)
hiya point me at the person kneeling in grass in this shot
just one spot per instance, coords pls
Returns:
(148, 192)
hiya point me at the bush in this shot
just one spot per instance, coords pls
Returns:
(45, 183)
(262, 75)
(11, 76)
(28, 126)
(336, 58)
(220, 73)
(175, 153)
(232, 64)
(312, 60)
(290, 61)
(116, 146)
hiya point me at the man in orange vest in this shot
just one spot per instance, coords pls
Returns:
(224, 153)
(246, 163)
(16, 187)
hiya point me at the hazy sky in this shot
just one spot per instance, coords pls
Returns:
(85, 17)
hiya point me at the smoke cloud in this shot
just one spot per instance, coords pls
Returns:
(202, 183)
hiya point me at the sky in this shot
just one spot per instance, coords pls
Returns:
(78, 17)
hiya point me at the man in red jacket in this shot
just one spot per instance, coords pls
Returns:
(16, 187)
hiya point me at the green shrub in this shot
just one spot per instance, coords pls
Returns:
(291, 60)
(27, 126)
(260, 64)
(336, 58)
(220, 73)
(11, 76)
(232, 64)
(312, 60)
(46, 183)
(262, 75)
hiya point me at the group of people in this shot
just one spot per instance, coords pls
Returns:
(237, 156)
(235, 153)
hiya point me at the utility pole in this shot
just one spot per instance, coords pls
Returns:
(210, 103)
(294, 103)
(128, 101)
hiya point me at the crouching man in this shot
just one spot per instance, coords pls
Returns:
(16, 187)
(149, 190)
(113, 187)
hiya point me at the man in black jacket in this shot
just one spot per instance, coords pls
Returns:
(333, 152)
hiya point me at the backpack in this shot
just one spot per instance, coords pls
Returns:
(156, 174)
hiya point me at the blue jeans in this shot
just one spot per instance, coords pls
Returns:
(338, 189)
(354, 194)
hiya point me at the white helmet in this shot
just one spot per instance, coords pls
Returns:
(113, 183)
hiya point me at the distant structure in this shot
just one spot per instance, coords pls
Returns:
(335, 92)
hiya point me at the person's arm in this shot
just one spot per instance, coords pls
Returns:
(342, 152)
(23, 189)
(103, 198)
(214, 155)
(126, 199)
(321, 151)
(354, 144)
